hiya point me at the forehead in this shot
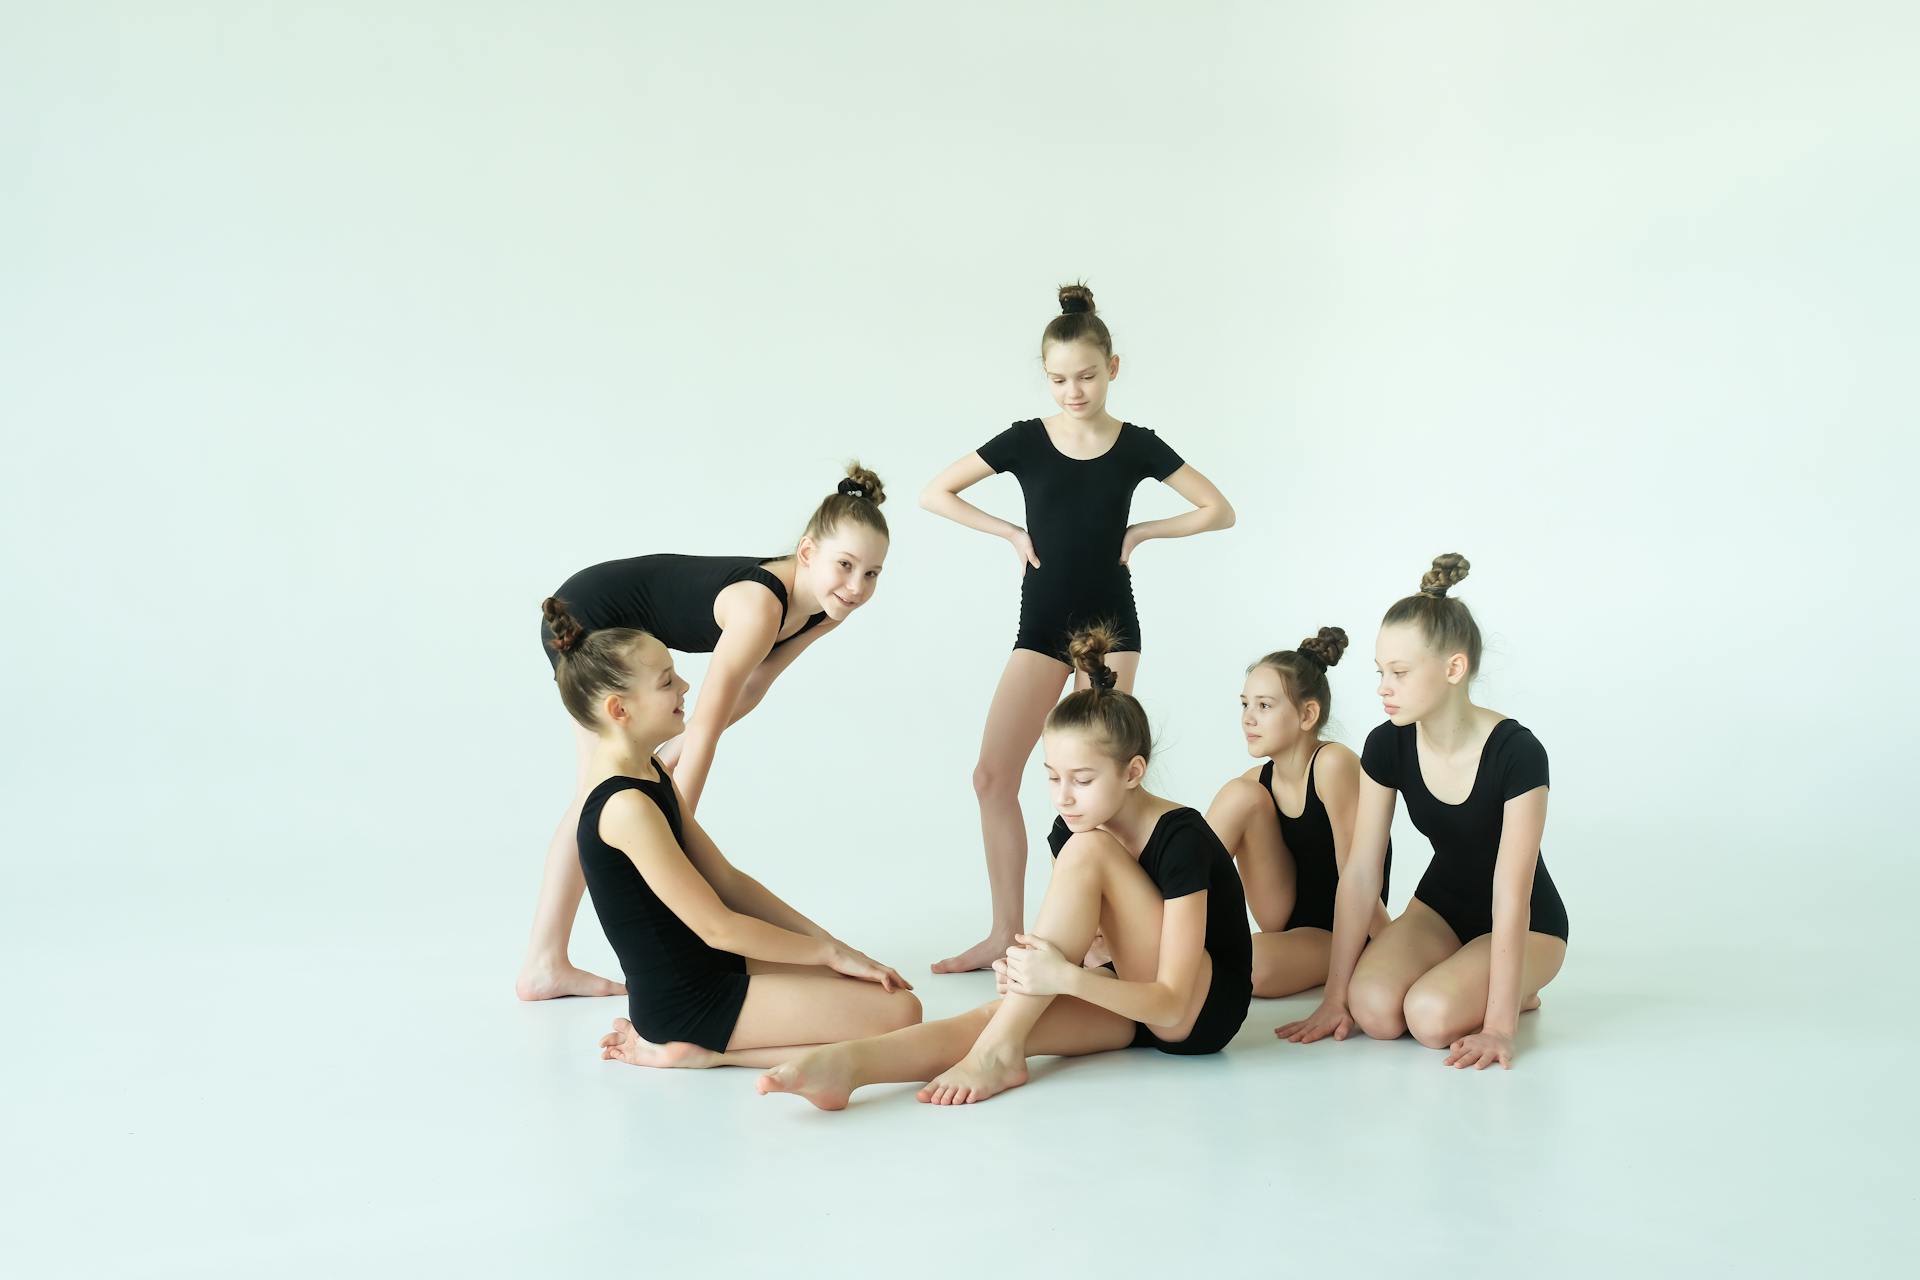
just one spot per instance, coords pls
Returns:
(860, 542)
(650, 657)
(1071, 357)
(1266, 681)
(1071, 750)
(1402, 642)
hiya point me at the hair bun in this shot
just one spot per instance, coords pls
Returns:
(1448, 571)
(1088, 652)
(1325, 648)
(1075, 298)
(566, 630)
(862, 483)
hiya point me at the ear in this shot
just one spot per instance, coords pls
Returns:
(614, 708)
(1136, 770)
(803, 554)
(1113, 368)
(1456, 668)
(1309, 715)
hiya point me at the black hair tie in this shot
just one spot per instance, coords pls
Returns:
(853, 488)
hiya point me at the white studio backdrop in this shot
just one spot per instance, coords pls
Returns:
(332, 340)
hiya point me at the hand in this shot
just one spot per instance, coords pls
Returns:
(854, 964)
(1481, 1050)
(1331, 1018)
(1000, 976)
(1132, 541)
(669, 752)
(1023, 547)
(1035, 967)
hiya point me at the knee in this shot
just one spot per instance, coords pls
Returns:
(1234, 804)
(903, 1010)
(1376, 1007)
(1087, 852)
(1433, 1015)
(992, 782)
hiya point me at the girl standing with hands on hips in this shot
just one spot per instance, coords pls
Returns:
(755, 616)
(1486, 928)
(1077, 470)
(1289, 823)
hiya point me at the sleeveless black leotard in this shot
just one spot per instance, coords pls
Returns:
(1309, 837)
(1183, 856)
(1466, 836)
(669, 596)
(678, 987)
(1077, 517)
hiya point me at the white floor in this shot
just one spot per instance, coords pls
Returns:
(278, 1079)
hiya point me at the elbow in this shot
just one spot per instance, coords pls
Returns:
(1226, 516)
(930, 497)
(721, 932)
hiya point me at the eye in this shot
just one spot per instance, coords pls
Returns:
(873, 573)
(847, 565)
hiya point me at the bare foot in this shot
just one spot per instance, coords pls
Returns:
(624, 1044)
(975, 1078)
(1531, 1005)
(549, 984)
(980, 955)
(823, 1077)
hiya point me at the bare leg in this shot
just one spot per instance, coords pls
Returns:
(1095, 884)
(1392, 963)
(547, 972)
(785, 1013)
(1242, 816)
(1290, 962)
(1029, 686)
(1450, 999)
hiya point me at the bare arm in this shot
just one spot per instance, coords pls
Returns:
(1523, 821)
(1183, 933)
(942, 497)
(762, 677)
(749, 621)
(1338, 781)
(1211, 510)
(738, 890)
(634, 825)
(1360, 879)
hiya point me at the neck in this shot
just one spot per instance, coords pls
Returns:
(1451, 727)
(800, 599)
(1293, 761)
(617, 757)
(1134, 822)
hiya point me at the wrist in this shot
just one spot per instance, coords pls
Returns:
(825, 949)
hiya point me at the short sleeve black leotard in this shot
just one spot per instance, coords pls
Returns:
(669, 596)
(1309, 838)
(1077, 511)
(1182, 856)
(1466, 836)
(678, 987)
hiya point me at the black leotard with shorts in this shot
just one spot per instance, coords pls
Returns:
(669, 596)
(1466, 836)
(1183, 856)
(1077, 512)
(678, 987)
(1309, 837)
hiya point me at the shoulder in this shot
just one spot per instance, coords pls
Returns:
(1380, 755)
(752, 595)
(1520, 757)
(628, 816)
(1336, 763)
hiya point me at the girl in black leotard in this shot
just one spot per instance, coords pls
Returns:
(1077, 470)
(755, 616)
(1150, 869)
(719, 971)
(1289, 822)
(1485, 929)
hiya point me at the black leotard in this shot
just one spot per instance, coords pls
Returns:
(678, 987)
(1077, 517)
(1183, 856)
(669, 596)
(1309, 837)
(1466, 836)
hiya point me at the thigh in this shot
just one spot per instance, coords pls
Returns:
(1131, 916)
(1071, 1028)
(801, 1008)
(1029, 687)
(1290, 962)
(1414, 943)
(806, 970)
(1461, 979)
(1242, 816)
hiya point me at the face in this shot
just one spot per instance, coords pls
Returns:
(843, 569)
(1089, 785)
(652, 708)
(1078, 373)
(1414, 680)
(1272, 724)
